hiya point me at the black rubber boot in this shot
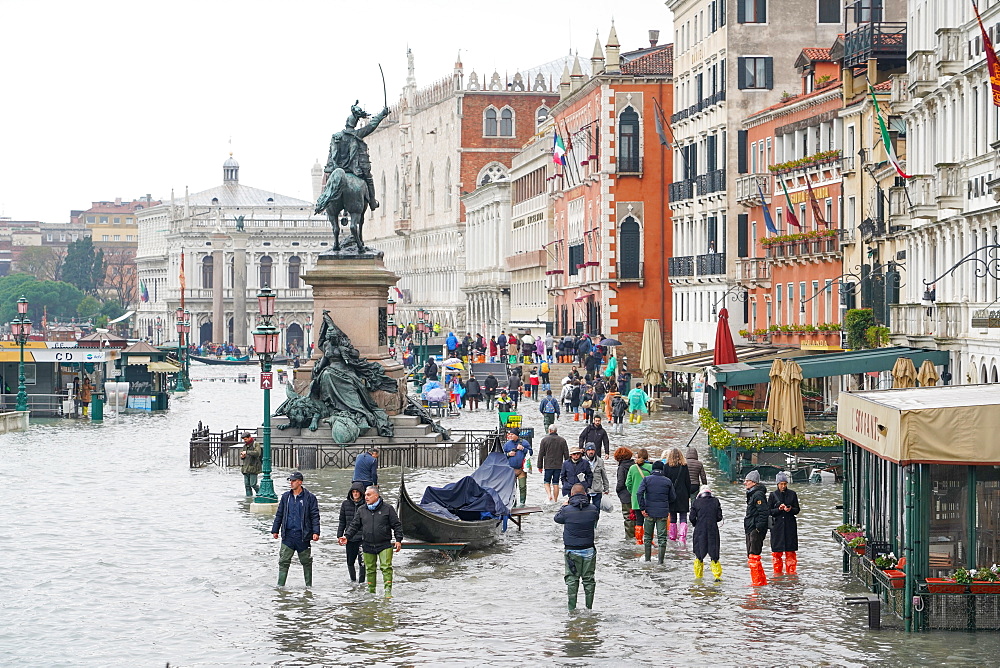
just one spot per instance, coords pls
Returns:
(648, 548)
(661, 554)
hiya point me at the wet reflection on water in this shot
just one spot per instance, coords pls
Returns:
(118, 554)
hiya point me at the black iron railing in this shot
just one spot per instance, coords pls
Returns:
(681, 266)
(681, 190)
(711, 263)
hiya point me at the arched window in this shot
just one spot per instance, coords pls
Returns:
(430, 189)
(629, 251)
(381, 192)
(264, 273)
(628, 141)
(416, 186)
(447, 185)
(491, 173)
(541, 115)
(490, 122)
(294, 271)
(207, 265)
(507, 122)
(395, 194)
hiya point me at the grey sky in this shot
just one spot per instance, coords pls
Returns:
(105, 99)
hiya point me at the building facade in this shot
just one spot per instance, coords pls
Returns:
(234, 239)
(439, 143)
(486, 282)
(114, 231)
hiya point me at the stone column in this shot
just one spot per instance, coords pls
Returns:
(218, 314)
(240, 288)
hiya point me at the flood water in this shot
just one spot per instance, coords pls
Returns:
(118, 554)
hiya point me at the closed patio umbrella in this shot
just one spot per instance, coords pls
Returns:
(904, 374)
(793, 414)
(651, 360)
(725, 350)
(928, 375)
(774, 391)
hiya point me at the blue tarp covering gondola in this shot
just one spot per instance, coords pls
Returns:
(487, 493)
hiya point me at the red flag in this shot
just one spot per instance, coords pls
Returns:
(790, 213)
(182, 280)
(991, 58)
(817, 210)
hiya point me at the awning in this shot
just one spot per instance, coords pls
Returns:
(696, 362)
(954, 424)
(162, 367)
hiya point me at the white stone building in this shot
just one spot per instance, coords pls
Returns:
(487, 235)
(280, 241)
(953, 135)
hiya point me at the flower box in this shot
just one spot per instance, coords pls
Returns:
(860, 549)
(984, 587)
(944, 586)
(896, 577)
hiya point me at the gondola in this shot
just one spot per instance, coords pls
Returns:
(421, 524)
(230, 361)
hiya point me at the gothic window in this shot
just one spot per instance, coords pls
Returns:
(507, 122)
(629, 250)
(490, 122)
(491, 173)
(265, 272)
(541, 115)
(447, 185)
(395, 194)
(294, 271)
(381, 191)
(416, 186)
(628, 141)
(430, 189)
(206, 271)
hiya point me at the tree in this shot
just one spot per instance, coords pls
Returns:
(83, 266)
(88, 307)
(120, 276)
(59, 300)
(39, 261)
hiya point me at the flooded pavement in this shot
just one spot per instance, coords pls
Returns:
(118, 554)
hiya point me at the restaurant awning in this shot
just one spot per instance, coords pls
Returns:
(954, 424)
(162, 367)
(696, 362)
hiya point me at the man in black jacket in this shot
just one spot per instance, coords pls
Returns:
(490, 389)
(576, 469)
(755, 525)
(594, 433)
(379, 525)
(655, 494)
(297, 520)
(579, 518)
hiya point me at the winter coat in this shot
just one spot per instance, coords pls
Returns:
(348, 508)
(493, 348)
(634, 479)
(251, 462)
(502, 341)
(757, 511)
(366, 469)
(705, 515)
(696, 469)
(624, 495)
(514, 383)
(619, 406)
(451, 341)
(596, 435)
(656, 494)
(491, 384)
(571, 472)
(579, 519)
(682, 486)
(583, 346)
(552, 452)
(567, 392)
(305, 504)
(516, 460)
(472, 389)
(574, 396)
(548, 405)
(785, 532)
(378, 528)
(600, 484)
(539, 346)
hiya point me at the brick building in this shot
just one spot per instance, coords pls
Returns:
(115, 231)
(611, 222)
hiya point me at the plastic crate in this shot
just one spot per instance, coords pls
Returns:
(877, 548)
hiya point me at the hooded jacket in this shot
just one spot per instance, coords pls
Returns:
(705, 515)
(491, 384)
(600, 484)
(757, 509)
(472, 388)
(634, 478)
(595, 434)
(579, 518)
(656, 494)
(572, 472)
(696, 470)
(516, 460)
(624, 495)
(348, 508)
(251, 462)
(377, 528)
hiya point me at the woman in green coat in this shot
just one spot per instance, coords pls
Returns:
(639, 470)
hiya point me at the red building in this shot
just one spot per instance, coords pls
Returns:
(612, 226)
(790, 165)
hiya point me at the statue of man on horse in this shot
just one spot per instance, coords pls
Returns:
(349, 186)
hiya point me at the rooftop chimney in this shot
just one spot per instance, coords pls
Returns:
(118, 201)
(654, 37)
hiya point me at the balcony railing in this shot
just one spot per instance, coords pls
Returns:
(749, 188)
(949, 185)
(679, 116)
(942, 321)
(922, 73)
(753, 270)
(681, 190)
(922, 191)
(951, 57)
(712, 182)
(681, 266)
(711, 264)
(804, 248)
(633, 276)
(900, 90)
(629, 164)
(883, 41)
(871, 229)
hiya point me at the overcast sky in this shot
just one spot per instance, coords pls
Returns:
(104, 99)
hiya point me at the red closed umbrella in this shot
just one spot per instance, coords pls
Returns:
(725, 349)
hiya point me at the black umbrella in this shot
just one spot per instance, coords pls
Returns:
(610, 342)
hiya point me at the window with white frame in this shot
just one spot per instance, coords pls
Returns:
(507, 122)
(490, 122)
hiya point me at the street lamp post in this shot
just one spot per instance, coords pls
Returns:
(283, 341)
(265, 340)
(308, 341)
(21, 330)
(390, 326)
(179, 385)
(187, 357)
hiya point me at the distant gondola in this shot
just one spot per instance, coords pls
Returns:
(223, 360)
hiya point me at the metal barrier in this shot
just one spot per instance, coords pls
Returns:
(47, 405)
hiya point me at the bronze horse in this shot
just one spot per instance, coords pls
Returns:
(348, 194)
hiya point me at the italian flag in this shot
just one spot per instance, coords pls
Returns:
(886, 141)
(558, 150)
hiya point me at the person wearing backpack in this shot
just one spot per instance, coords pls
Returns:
(544, 375)
(636, 473)
(549, 408)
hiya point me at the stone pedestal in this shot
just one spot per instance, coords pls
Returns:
(354, 290)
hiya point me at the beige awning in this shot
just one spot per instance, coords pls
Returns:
(953, 424)
(162, 367)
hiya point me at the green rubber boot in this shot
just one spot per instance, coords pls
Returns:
(522, 488)
(572, 602)
(282, 576)
(388, 589)
(307, 572)
(648, 549)
(661, 554)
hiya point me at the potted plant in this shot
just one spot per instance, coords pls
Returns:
(857, 544)
(886, 562)
(986, 580)
(953, 585)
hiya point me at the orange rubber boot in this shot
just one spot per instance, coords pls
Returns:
(757, 577)
(791, 562)
(638, 535)
(776, 560)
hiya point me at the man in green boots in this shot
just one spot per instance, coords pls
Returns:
(381, 536)
(579, 518)
(297, 519)
(250, 463)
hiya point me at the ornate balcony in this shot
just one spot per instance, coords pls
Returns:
(922, 74)
(753, 271)
(711, 264)
(950, 56)
(681, 190)
(814, 250)
(949, 185)
(923, 192)
(749, 188)
(885, 42)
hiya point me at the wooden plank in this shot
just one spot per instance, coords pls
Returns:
(434, 546)
(525, 510)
